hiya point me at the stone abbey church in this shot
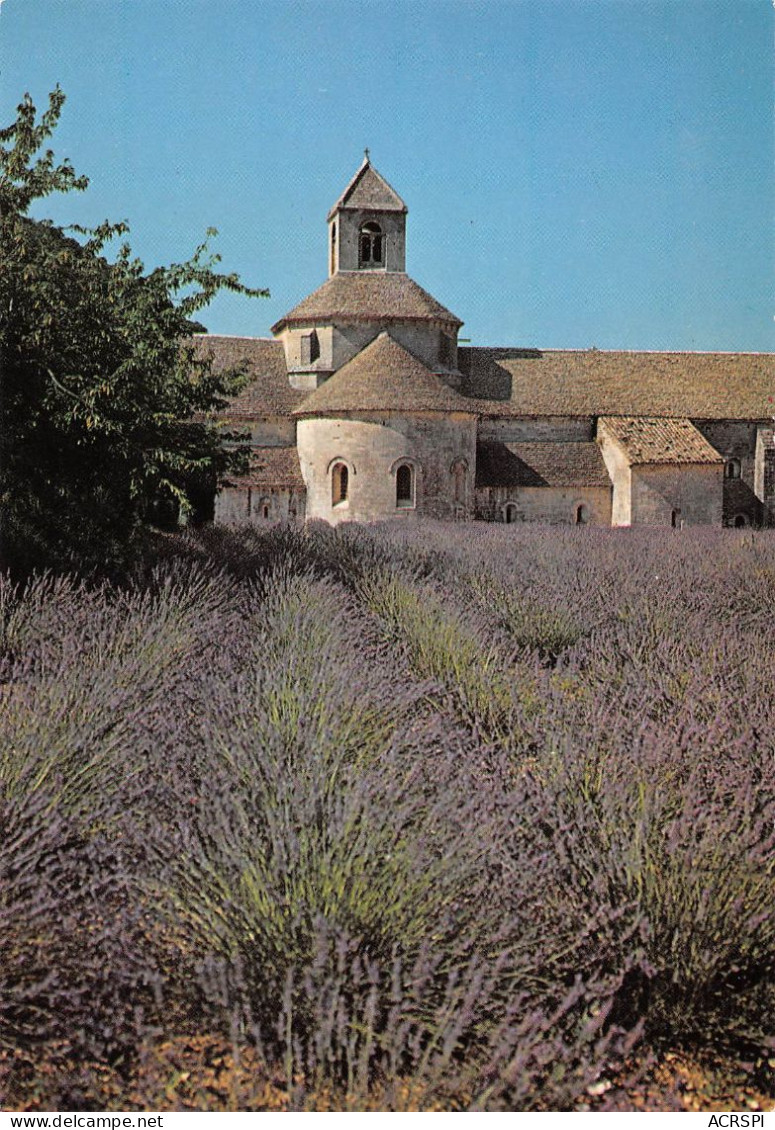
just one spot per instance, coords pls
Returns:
(363, 407)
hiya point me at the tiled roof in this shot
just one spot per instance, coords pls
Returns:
(700, 386)
(369, 190)
(540, 465)
(649, 440)
(377, 295)
(269, 393)
(271, 467)
(532, 382)
(383, 377)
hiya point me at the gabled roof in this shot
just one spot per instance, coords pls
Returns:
(368, 190)
(370, 295)
(648, 440)
(701, 386)
(540, 465)
(383, 377)
(269, 393)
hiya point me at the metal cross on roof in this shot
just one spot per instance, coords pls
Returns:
(366, 154)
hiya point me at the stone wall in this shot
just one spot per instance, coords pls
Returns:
(538, 429)
(236, 506)
(372, 446)
(618, 468)
(348, 226)
(735, 440)
(552, 505)
(274, 431)
(764, 478)
(307, 375)
(731, 438)
(677, 494)
(421, 338)
(341, 342)
(741, 507)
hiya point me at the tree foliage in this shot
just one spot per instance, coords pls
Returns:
(106, 413)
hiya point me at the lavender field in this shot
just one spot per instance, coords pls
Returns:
(452, 817)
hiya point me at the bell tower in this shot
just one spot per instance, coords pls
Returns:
(367, 225)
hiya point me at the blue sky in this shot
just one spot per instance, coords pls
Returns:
(584, 173)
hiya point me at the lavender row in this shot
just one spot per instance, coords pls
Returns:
(427, 819)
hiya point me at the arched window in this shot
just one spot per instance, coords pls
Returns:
(459, 470)
(333, 247)
(340, 481)
(582, 515)
(370, 245)
(740, 521)
(732, 469)
(263, 507)
(310, 348)
(510, 513)
(675, 519)
(404, 487)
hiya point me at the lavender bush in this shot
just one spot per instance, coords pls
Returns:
(448, 820)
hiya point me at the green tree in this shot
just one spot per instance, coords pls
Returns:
(106, 410)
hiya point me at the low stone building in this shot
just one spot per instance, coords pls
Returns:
(543, 482)
(363, 407)
(664, 472)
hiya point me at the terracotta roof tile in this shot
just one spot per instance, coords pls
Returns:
(378, 295)
(370, 191)
(269, 393)
(532, 382)
(540, 465)
(383, 377)
(649, 440)
(271, 467)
